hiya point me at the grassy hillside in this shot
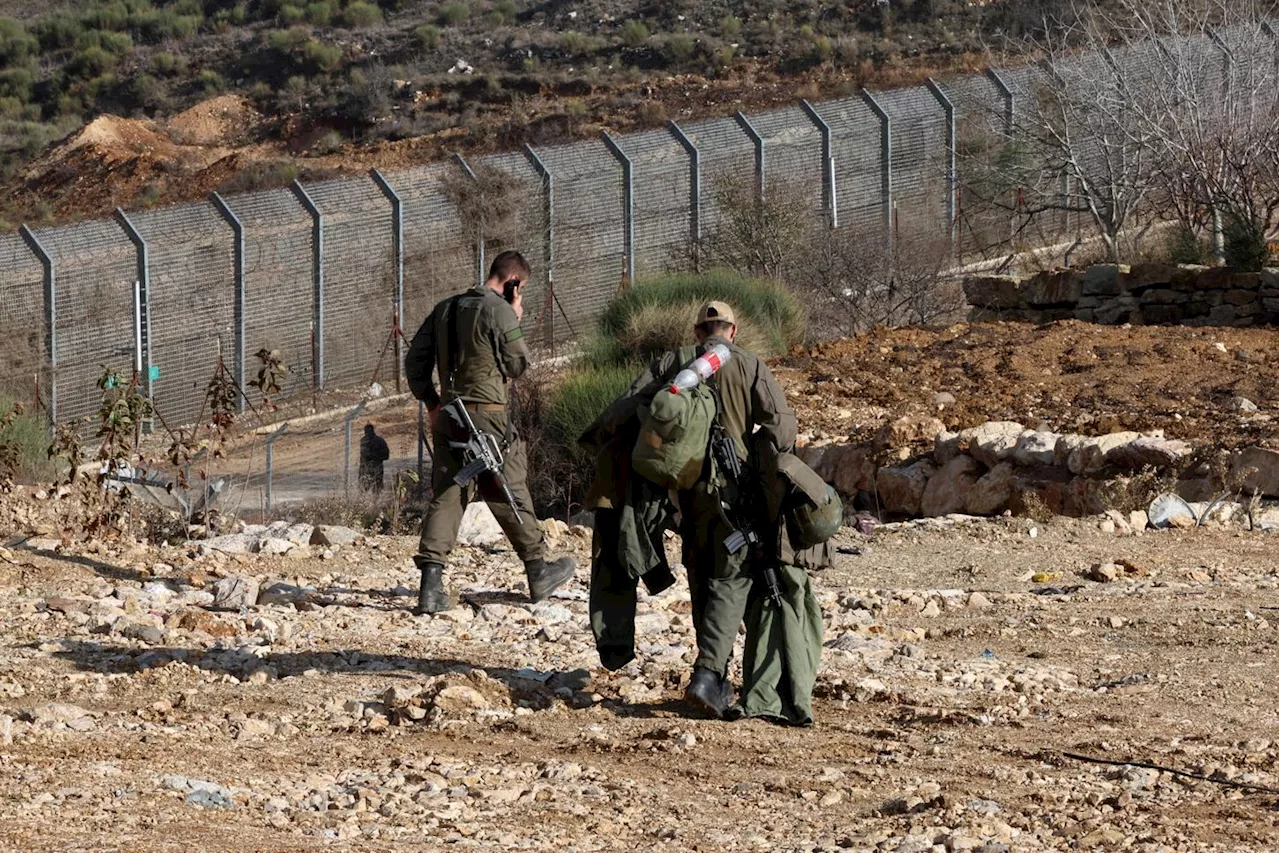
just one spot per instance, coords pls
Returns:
(484, 75)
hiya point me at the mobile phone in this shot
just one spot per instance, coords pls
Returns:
(509, 289)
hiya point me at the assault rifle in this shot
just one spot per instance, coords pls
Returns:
(744, 514)
(482, 454)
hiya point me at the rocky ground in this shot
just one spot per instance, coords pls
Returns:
(182, 697)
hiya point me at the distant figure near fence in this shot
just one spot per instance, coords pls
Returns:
(373, 452)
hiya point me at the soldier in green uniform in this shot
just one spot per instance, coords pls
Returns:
(719, 582)
(474, 342)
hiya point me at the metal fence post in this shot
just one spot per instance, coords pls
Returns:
(346, 444)
(470, 173)
(271, 440)
(142, 304)
(1007, 94)
(50, 314)
(549, 210)
(886, 165)
(317, 272)
(695, 188)
(397, 252)
(628, 203)
(237, 231)
(949, 110)
(758, 141)
(828, 165)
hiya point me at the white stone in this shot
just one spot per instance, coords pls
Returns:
(479, 528)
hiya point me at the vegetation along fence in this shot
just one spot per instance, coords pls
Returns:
(328, 273)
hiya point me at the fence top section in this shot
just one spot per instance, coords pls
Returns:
(17, 260)
(426, 184)
(86, 244)
(719, 137)
(847, 113)
(578, 159)
(182, 224)
(789, 125)
(348, 198)
(270, 210)
(652, 147)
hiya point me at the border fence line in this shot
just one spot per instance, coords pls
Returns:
(335, 274)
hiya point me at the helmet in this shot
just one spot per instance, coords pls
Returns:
(814, 511)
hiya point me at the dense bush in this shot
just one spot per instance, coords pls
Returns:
(770, 314)
(428, 35)
(360, 14)
(24, 441)
(648, 319)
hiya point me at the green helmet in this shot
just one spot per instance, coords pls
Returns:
(814, 510)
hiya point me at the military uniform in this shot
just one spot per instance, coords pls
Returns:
(719, 582)
(475, 343)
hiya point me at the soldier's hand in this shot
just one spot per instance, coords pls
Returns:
(517, 302)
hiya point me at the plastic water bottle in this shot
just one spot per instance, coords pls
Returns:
(701, 368)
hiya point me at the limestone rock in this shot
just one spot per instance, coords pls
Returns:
(901, 488)
(1148, 450)
(992, 442)
(946, 446)
(329, 536)
(479, 527)
(908, 431)
(1035, 448)
(847, 468)
(235, 592)
(1091, 456)
(993, 291)
(273, 546)
(948, 489)
(1257, 469)
(991, 493)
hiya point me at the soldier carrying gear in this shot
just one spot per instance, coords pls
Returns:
(750, 401)
(474, 342)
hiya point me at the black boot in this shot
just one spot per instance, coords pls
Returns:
(431, 594)
(545, 578)
(706, 692)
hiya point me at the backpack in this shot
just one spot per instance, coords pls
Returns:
(675, 431)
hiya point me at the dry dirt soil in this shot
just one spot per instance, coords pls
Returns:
(133, 715)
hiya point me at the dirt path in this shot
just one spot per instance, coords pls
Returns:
(951, 684)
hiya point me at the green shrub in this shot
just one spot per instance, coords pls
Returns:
(17, 83)
(156, 26)
(318, 14)
(149, 92)
(1186, 247)
(575, 43)
(290, 40)
(647, 318)
(730, 27)
(359, 15)
(680, 47)
(90, 62)
(115, 43)
(166, 64)
(211, 81)
(24, 442)
(634, 33)
(508, 10)
(291, 15)
(322, 57)
(56, 31)
(16, 44)
(106, 16)
(454, 13)
(428, 36)
(1244, 244)
(581, 397)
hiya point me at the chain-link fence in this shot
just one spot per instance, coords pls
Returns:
(334, 275)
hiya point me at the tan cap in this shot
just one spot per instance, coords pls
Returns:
(715, 312)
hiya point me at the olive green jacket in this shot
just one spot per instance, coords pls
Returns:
(491, 350)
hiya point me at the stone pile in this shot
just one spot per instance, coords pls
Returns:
(1143, 294)
(1002, 465)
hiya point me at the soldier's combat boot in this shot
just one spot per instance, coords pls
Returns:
(431, 594)
(706, 692)
(546, 577)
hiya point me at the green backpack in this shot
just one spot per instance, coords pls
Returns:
(675, 431)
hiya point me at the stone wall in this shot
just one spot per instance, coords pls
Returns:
(1144, 294)
(1002, 465)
